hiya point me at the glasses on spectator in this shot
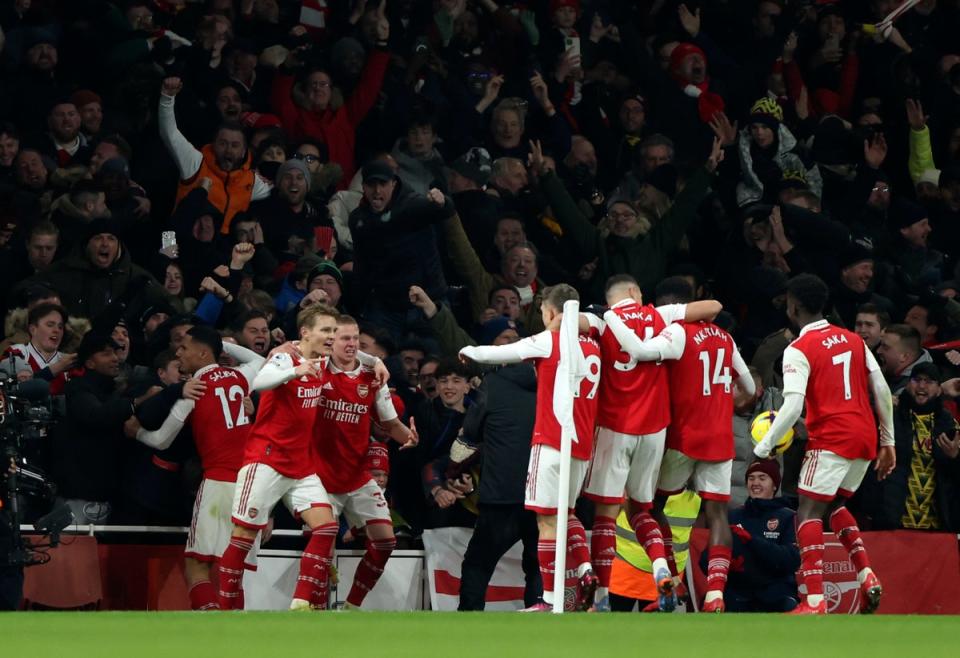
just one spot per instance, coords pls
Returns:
(627, 214)
(881, 188)
(309, 158)
(320, 84)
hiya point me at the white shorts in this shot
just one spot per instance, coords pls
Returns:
(625, 463)
(711, 480)
(259, 487)
(362, 506)
(211, 527)
(543, 480)
(826, 475)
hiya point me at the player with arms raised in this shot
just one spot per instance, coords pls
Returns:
(350, 397)
(633, 414)
(699, 442)
(220, 426)
(543, 473)
(834, 371)
(279, 460)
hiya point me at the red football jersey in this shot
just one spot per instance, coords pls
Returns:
(829, 365)
(701, 394)
(343, 427)
(218, 422)
(634, 396)
(282, 436)
(546, 429)
(35, 361)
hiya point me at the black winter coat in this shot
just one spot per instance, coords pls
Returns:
(885, 501)
(770, 559)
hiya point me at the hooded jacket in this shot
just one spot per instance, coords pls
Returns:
(419, 175)
(750, 188)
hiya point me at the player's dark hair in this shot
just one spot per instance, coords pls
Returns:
(674, 290)
(452, 366)
(308, 316)
(40, 311)
(208, 336)
(619, 280)
(872, 309)
(909, 337)
(809, 291)
(556, 296)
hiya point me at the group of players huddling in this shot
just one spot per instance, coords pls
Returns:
(652, 409)
(653, 412)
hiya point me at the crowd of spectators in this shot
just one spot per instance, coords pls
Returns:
(430, 167)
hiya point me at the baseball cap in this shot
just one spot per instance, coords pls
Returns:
(377, 171)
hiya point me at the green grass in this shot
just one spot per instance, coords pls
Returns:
(492, 635)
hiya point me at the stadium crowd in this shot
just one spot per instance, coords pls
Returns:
(430, 167)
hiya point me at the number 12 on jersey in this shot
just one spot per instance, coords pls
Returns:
(226, 397)
(721, 374)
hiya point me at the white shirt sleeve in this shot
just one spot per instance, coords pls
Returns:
(187, 157)
(669, 344)
(250, 362)
(595, 322)
(883, 398)
(162, 437)
(277, 371)
(744, 379)
(796, 371)
(672, 312)
(534, 347)
(385, 409)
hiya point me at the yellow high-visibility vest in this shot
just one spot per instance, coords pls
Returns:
(632, 569)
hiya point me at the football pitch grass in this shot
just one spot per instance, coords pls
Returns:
(455, 635)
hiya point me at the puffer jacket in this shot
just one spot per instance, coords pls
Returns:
(750, 188)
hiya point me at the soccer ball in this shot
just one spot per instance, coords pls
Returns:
(759, 427)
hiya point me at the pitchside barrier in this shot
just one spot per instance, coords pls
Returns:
(141, 568)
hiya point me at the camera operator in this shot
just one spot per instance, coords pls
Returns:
(88, 445)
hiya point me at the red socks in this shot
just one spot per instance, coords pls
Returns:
(370, 569)
(231, 573)
(649, 535)
(810, 539)
(315, 565)
(603, 547)
(667, 533)
(546, 552)
(717, 567)
(578, 552)
(843, 523)
(203, 596)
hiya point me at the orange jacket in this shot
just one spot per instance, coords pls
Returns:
(231, 191)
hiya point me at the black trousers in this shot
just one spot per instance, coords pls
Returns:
(498, 528)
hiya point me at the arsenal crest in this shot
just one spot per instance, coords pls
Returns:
(773, 524)
(362, 390)
(253, 512)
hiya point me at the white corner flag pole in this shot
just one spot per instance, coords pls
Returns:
(564, 391)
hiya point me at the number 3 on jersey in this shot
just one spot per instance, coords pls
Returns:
(234, 394)
(721, 374)
(631, 362)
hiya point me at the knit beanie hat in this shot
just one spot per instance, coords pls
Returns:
(84, 97)
(905, 213)
(490, 329)
(475, 164)
(767, 112)
(768, 466)
(378, 457)
(299, 165)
